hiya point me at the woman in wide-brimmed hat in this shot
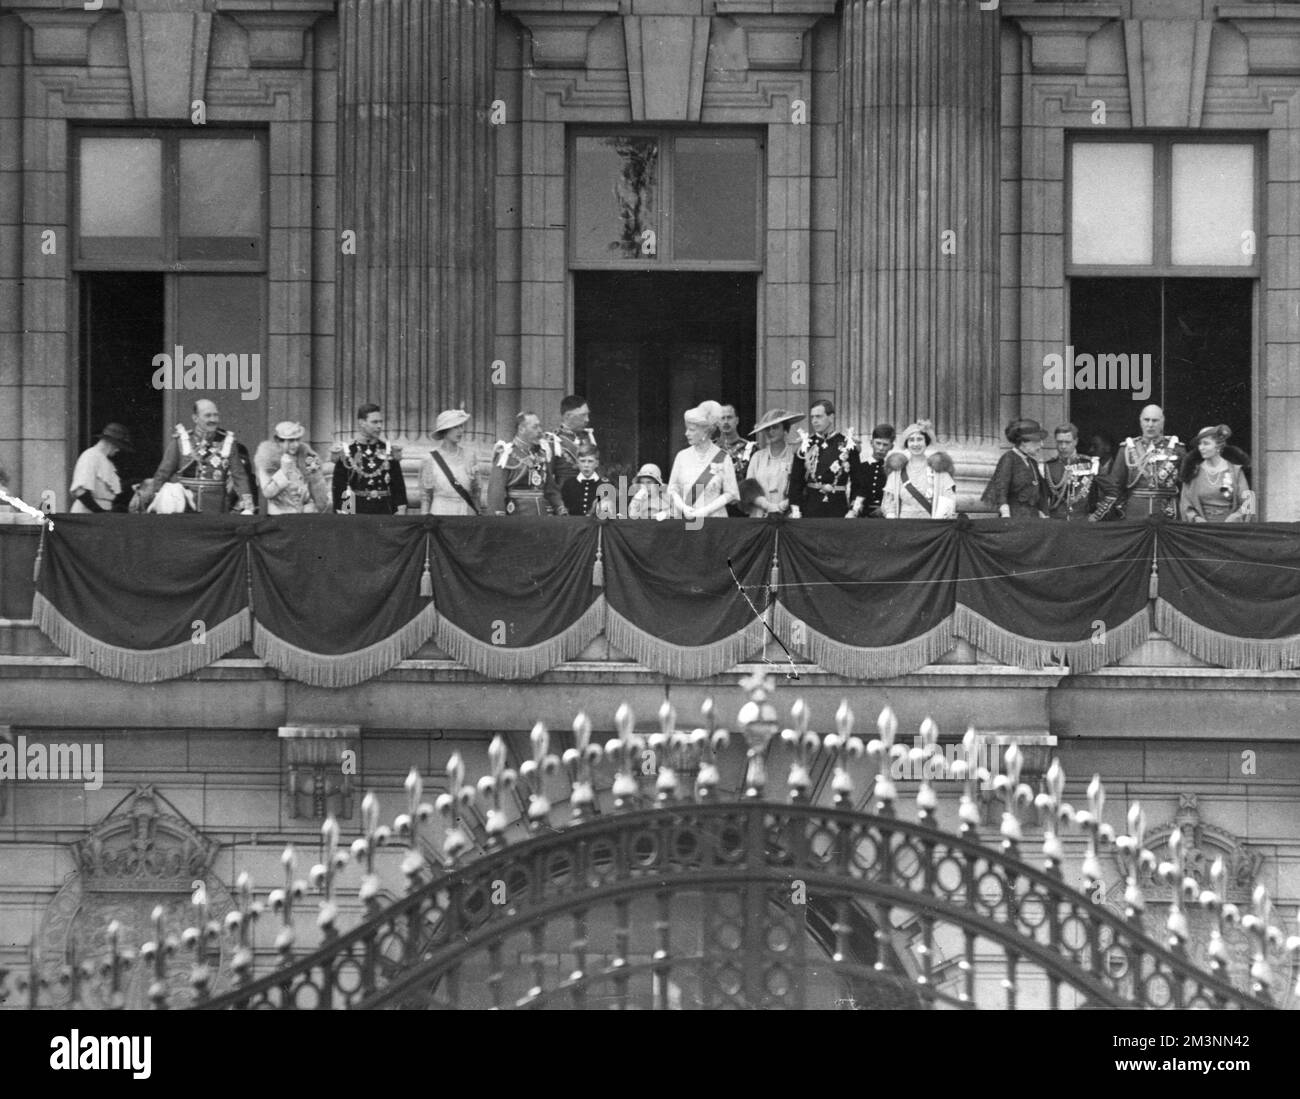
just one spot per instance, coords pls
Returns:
(289, 475)
(920, 485)
(766, 489)
(1017, 488)
(1215, 489)
(448, 479)
(703, 480)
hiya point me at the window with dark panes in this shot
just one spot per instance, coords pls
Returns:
(666, 200)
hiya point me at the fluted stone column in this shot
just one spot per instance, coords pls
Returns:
(415, 313)
(919, 215)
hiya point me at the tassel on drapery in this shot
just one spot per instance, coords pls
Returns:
(1153, 586)
(40, 555)
(426, 579)
(598, 569)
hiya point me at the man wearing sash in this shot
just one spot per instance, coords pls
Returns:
(368, 475)
(562, 446)
(1070, 477)
(825, 467)
(739, 449)
(1143, 478)
(200, 461)
(522, 482)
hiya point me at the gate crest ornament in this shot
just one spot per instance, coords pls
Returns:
(644, 892)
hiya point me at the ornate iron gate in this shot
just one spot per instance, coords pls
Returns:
(671, 897)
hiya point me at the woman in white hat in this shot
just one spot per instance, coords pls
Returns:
(919, 486)
(766, 489)
(448, 478)
(289, 474)
(703, 480)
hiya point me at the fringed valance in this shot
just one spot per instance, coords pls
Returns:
(332, 601)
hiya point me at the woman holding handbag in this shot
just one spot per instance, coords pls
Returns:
(448, 481)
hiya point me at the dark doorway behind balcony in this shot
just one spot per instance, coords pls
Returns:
(122, 329)
(1198, 334)
(648, 346)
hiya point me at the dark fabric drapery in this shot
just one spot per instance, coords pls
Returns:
(672, 602)
(1230, 593)
(336, 603)
(868, 600)
(1037, 593)
(515, 597)
(143, 598)
(333, 601)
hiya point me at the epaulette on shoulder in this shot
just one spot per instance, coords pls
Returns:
(940, 462)
(895, 459)
(1173, 441)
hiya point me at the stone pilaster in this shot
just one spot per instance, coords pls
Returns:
(416, 156)
(918, 244)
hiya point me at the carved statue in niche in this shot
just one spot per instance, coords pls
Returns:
(137, 859)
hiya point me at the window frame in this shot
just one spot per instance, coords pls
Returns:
(1162, 264)
(171, 139)
(665, 219)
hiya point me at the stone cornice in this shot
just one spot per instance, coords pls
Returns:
(1059, 33)
(1272, 33)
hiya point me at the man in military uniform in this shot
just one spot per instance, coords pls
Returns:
(825, 466)
(562, 446)
(739, 449)
(201, 460)
(1143, 478)
(1071, 478)
(368, 474)
(522, 481)
(872, 473)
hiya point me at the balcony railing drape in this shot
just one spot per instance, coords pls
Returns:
(333, 601)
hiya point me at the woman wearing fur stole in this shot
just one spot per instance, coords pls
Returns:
(289, 474)
(919, 486)
(1215, 489)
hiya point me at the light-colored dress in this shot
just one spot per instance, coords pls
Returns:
(773, 474)
(689, 468)
(95, 472)
(937, 487)
(445, 499)
(1223, 497)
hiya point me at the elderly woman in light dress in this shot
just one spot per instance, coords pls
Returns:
(920, 485)
(703, 480)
